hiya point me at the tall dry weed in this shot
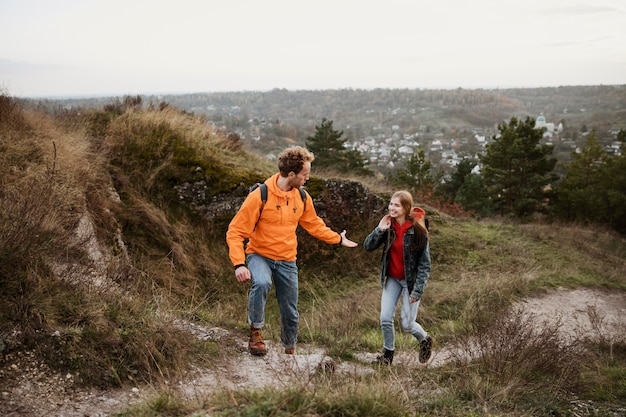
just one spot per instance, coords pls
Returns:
(35, 227)
(104, 333)
(505, 358)
(11, 114)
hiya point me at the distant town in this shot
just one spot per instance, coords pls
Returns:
(387, 126)
(391, 147)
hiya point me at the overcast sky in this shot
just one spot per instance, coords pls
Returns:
(122, 47)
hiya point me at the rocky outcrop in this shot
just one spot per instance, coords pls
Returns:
(341, 203)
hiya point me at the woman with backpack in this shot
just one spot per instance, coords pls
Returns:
(403, 233)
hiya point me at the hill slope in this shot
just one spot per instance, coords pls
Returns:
(40, 392)
(117, 252)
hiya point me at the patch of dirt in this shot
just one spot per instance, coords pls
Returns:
(31, 389)
(593, 312)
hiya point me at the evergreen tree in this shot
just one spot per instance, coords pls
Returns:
(615, 181)
(417, 177)
(466, 189)
(621, 136)
(449, 189)
(472, 196)
(594, 187)
(356, 163)
(327, 145)
(517, 170)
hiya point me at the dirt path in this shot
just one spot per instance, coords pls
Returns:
(590, 311)
(37, 391)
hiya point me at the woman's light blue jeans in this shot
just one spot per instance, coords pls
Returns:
(394, 288)
(285, 277)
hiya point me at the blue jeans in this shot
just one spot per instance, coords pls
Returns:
(394, 288)
(285, 277)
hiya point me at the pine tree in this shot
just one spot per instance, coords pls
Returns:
(472, 196)
(327, 145)
(417, 177)
(594, 187)
(449, 189)
(517, 169)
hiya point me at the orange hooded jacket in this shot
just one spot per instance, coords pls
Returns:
(275, 234)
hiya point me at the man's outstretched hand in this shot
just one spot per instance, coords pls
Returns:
(347, 242)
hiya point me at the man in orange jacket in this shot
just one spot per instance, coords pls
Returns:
(272, 247)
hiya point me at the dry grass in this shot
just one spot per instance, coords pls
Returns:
(583, 252)
(106, 336)
(513, 353)
(116, 168)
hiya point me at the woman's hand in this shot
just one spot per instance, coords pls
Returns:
(385, 222)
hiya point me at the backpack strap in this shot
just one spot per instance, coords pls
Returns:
(263, 197)
(263, 191)
(303, 196)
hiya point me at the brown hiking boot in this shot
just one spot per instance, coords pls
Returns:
(290, 351)
(425, 349)
(256, 346)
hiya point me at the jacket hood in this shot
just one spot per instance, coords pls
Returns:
(272, 188)
(272, 185)
(418, 212)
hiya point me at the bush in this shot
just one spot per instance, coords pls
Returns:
(510, 358)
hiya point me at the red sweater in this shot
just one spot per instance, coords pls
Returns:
(396, 252)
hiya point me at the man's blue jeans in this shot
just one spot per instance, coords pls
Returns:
(285, 277)
(394, 288)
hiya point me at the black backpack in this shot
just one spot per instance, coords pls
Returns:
(264, 196)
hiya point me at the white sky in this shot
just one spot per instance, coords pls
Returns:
(119, 47)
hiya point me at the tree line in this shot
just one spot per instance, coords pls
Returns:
(514, 178)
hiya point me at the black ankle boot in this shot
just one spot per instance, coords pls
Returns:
(385, 359)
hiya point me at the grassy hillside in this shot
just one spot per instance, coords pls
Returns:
(112, 227)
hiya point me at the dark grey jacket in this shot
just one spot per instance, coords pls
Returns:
(416, 263)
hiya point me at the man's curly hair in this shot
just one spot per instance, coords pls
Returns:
(292, 159)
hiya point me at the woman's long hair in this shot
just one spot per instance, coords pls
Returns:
(419, 222)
